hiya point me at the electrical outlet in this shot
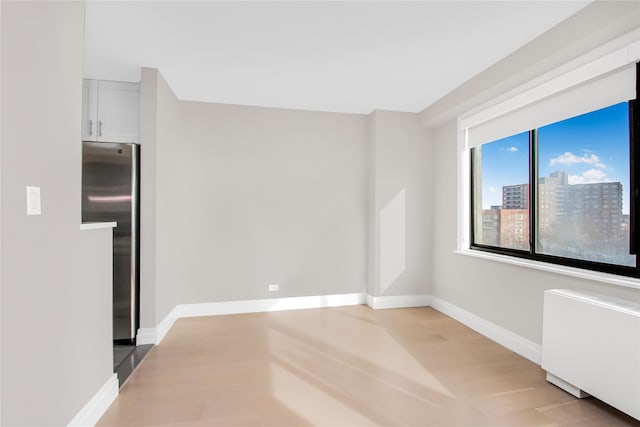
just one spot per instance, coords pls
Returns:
(274, 287)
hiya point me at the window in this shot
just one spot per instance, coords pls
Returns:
(582, 176)
(552, 180)
(501, 196)
(587, 159)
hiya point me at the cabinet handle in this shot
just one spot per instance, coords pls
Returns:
(90, 127)
(99, 127)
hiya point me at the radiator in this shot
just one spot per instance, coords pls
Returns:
(591, 346)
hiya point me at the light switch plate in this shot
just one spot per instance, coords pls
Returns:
(33, 201)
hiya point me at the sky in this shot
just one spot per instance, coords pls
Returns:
(593, 147)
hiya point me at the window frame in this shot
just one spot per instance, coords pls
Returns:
(616, 274)
(532, 254)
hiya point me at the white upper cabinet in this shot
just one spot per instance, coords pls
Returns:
(110, 111)
(89, 110)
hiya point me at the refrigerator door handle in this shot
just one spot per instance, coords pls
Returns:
(90, 127)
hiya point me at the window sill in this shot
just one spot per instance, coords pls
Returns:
(611, 279)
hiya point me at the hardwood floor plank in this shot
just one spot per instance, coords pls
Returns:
(343, 366)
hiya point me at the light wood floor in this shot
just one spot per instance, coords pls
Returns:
(346, 366)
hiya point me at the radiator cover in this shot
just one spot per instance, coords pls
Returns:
(591, 343)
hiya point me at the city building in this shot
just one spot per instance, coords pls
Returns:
(572, 220)
(490, 226)
(514, 228)
(515, 196)
(551, 197)
(582, 216)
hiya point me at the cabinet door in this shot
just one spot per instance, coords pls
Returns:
(118, 111)
(89, 110)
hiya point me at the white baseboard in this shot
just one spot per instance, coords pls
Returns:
(146, 336)
(166, 323)
(264, 305)
(91, 413)
(155, 335)
(514, 342)
(398, 301)
(502, 336)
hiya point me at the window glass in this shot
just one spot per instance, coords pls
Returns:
(501, 193)
(583, 187)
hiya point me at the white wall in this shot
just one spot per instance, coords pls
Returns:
(55, 279)
(400, 236)
(508, 295)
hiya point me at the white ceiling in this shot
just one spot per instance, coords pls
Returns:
(330, 56)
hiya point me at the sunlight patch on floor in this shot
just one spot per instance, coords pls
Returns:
(346, 380)
(310, 402)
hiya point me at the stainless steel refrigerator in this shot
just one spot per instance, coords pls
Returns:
(110, 188)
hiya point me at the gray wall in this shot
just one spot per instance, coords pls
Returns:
(148, 136)
(55, 279)
(236, 198)
(400, 208)
(507, 295)
(248, 196)
(160, 127)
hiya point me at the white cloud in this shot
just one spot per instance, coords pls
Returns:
(568, 158)
(591, 176)
(493, 189)
(512, 149)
